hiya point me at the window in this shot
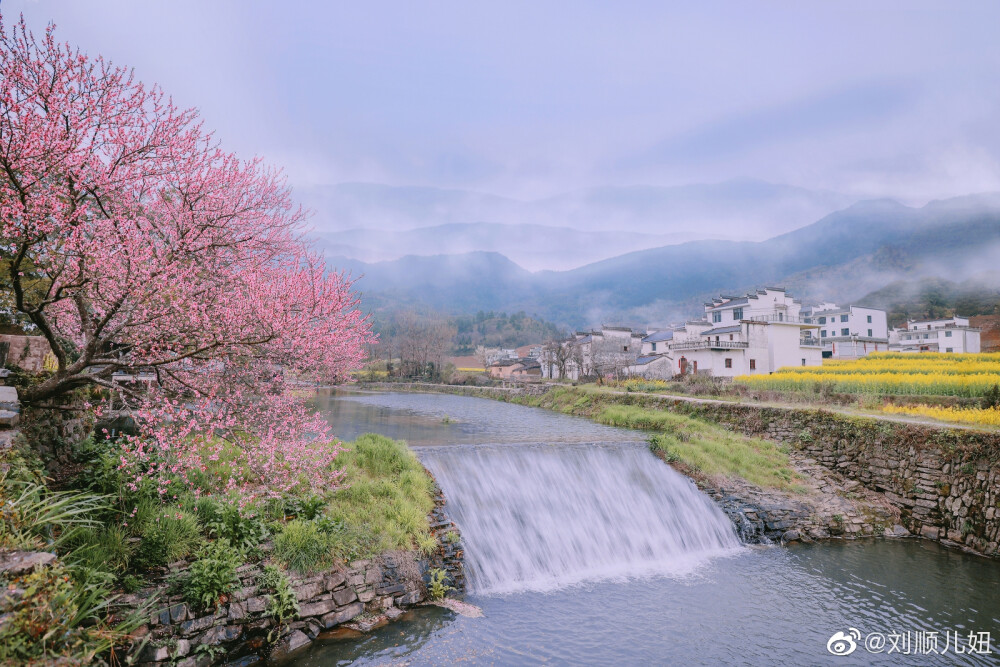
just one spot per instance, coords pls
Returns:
(730, 336)
(869, 319)
(869, 333)
(729, 363)
(753, 364)
(654, 347)
(624, 348)
(717, 316)
(845, 332)
(949, 349)
(737, 313)
(822, 320)
(803, 362)
(822, 334)
(843, 318)
(947, 334)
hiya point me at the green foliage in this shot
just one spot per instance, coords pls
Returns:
(59, 617)
(303, 547)
(245, 529)
(166, 534)
(131, 583)
(308, 508)
(105, 548)
(282, 603)
(32, 517)
(436, 586)
(212, 574)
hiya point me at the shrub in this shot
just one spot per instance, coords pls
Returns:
(212, 575)
(166, 534)
(244, 529)
(107, 548)
(32, 517)
(991, 399)
(302, 546)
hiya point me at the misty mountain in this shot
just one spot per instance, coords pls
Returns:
(593, 224)
(843, 256)
(931, 298)
(529, 246)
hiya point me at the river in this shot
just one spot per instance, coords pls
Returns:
(582, 548)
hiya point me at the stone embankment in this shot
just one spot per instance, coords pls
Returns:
(943, 482)
(362, 596)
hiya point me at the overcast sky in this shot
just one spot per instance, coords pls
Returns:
(531, 99)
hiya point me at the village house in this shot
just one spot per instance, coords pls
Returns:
(746, 335)
(848, 332)
(953, 334)
(608, 352)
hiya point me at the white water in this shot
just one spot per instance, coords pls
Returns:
(541, 517)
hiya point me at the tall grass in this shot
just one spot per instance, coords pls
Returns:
(386, 498)
(708, 448)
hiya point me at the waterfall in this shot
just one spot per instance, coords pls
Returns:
(539, 517)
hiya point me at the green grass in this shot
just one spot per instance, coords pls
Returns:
(386, 499)
(706, 447)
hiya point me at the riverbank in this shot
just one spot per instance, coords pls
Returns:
(171, 575)
(866, 476)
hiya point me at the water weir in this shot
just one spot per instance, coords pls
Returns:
(540, 517)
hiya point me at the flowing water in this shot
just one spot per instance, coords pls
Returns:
(582, 548)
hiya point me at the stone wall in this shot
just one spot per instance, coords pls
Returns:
(362, 595)
(944, 481)
(26, 352)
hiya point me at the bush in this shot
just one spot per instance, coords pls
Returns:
(166, 534)
(244, 529)
(212, 575)
(437, 586)
(32, 517)
(991, 399)
(302, 546)
(107, 549)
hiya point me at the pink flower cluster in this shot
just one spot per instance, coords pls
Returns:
(133, 242)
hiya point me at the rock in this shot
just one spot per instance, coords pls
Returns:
(332, 581)
(256, 605)
(182, 648)
(317, 608)
(392, 613)
(790, 536)
(219, 634)
(21, 562)
(373, 575)
(237, 612)
(897, 531)
(369, 624)
(391, 589)
(197, 625)
(179, 613)
(366, 596)
(930, 532)
(292, 642)
(411, 598)
(308, 591)
(459, 607)
(344, 596)
(343, 615)
(152, 653)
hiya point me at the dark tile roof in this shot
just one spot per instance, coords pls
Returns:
(659, 336)
(722, 330)
(647, 359)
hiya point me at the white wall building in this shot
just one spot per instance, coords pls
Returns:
(756, 333)
(610, 351)
(946, 335)
(848, 332)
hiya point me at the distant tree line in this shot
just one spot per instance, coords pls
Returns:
(932, 298)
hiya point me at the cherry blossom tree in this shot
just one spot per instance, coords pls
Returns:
(132, 242)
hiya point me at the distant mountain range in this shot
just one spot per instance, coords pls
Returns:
(843, 257)
(373, 222)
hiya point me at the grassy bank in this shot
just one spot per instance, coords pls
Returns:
(113, 537)
(701, 446)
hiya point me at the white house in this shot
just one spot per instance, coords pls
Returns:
(651, 367)
(756, 333)
(656, 343)
(848, 332)
(953, 334)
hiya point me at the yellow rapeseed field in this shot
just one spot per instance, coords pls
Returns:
(979, 416)
(885, 373)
